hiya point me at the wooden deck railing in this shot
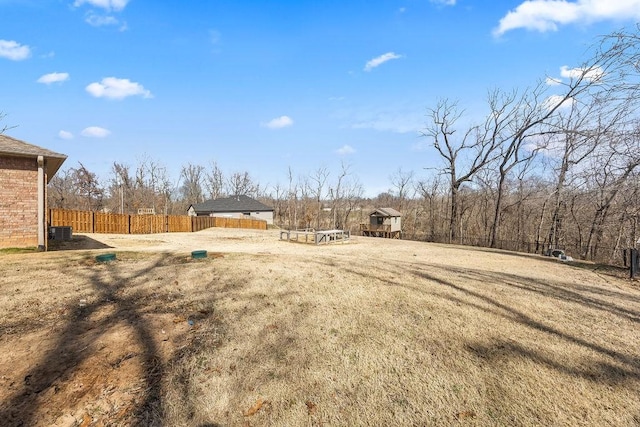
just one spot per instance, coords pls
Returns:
(375, 227)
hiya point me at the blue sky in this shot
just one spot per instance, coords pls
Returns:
(262, 86)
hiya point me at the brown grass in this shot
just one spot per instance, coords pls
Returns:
(371, 332)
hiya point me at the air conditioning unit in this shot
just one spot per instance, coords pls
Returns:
(60, 233)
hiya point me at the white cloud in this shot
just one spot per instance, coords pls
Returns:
(547, 15)
(114, 88)
(375, 62)
(13, 50)
(63, 134)
(95, 132)
(552, 81)
(101, 21)
(279, 122)
(552, 101)
(444, 2)
(537, 142)
(594, 74)
(116, 5)
(53, 78)
(345, 149)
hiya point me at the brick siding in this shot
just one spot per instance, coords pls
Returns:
(18, 202)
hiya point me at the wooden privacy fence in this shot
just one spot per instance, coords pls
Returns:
(99, 222)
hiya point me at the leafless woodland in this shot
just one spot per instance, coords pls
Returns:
(553, 165)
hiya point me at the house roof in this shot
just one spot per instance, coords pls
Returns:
(231, 204)
(386, 212)
(15, 148)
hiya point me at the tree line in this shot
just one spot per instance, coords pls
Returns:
(553, 165)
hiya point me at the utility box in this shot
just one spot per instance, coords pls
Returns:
(60, 233)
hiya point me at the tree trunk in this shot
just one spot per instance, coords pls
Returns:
(496, 217)
(453, 221)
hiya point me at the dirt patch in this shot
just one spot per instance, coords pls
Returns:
(266, 332)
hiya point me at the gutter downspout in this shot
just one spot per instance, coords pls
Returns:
(41, 230)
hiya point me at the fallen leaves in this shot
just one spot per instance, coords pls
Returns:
(255, 408)
(86, 420)
(465, 414)
(311, 407)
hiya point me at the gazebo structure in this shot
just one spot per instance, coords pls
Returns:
(383, 222)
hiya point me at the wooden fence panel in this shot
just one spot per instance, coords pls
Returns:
(80, 221)
(178, 224)
(140, 224)
(99, 222)
(202, 222)
(111, 223)
(148, 224)
(255, 224)
(227, 222)
(159, 223)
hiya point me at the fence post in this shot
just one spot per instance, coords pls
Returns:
(634, 263)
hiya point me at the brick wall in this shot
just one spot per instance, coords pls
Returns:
(18, 202)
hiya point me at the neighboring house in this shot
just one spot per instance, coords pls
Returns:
(25, 171)
(383, 222)
(233, 207)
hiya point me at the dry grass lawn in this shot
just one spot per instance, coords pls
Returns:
(270, 333)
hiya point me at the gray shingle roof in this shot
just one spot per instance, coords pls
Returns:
(231, 204)
(15, 148)
(386, 212)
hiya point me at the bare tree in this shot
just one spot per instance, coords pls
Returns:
(402, 184)
(60, 192)
(463, 156)
(215, 181)
(241, 184)
(512, 117)
(578, 135)
(352, 191)
(429, 190)
(4, 127)
(191, 178)
(318, 182)
(279, 198)
(335, 193)
(612, 168)
(121, 188)
(87, 188)
(292, 200)
(150, 184)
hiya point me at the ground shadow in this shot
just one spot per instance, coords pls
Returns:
(115, 293)
(620, 366)
(77, 242)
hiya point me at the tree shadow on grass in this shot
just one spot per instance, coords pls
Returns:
(590, 358)
(621, 366)
(124, 304)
